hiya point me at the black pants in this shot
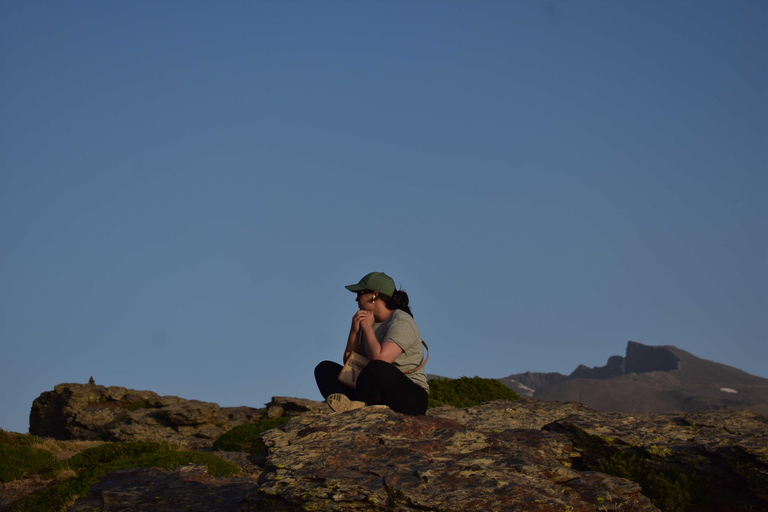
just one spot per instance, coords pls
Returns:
(380, 383)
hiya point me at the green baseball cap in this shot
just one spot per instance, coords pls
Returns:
(376, 282)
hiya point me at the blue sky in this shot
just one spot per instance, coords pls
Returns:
(186, 187)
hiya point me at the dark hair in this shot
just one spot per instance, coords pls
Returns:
(399, 300)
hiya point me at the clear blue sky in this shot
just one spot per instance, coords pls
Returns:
(186, 187)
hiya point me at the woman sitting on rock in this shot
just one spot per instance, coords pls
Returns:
(384, 332)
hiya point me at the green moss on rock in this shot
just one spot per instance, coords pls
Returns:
(93, 464)
(247, 437)
(138, 404)
(17, 461)
(14, 439)
(670, 490)
(19, 456)
(467, 392)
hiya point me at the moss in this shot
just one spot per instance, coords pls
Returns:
(146, 455)
(670, 490)
(467, 392)
(14, 439)
(19, 456)
(17, 461)
(93, 464)
(247, 437)
(660, 452)
(138, 404)
(397, 499)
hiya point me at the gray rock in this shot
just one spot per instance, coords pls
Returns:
(375, 459)
(188, 488)
(289, 406)
(190, 412)
(524, 455)
(89, 412)
(722, 453)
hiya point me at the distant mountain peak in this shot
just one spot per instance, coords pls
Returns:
(639, 359)
(645, 359)
(649, 379)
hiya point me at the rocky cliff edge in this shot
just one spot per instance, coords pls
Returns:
(522, 455)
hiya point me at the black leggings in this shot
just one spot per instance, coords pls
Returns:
(380, 383)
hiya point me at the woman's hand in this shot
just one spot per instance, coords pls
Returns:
(366, 319)
(359, 321)
(362, 319)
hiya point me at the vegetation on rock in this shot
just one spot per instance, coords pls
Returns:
(18, 461)
(14, 439)
(467, 392)
(20, 457)
(138, 404)
(247, 437)
(670, 490)
(668, 486)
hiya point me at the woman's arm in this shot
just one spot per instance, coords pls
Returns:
(387, 351)
(352, 340)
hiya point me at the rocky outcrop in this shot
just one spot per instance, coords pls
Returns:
(522, 455)
(288, 406)
(645, 359)
(114, 413)
(527, 454)
(639, 359)
(375, 459)
(614, 368)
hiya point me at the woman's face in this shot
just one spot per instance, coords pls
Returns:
(364, 300)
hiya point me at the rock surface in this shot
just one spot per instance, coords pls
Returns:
(524, 455)
(188, 488)
(538, 455)
(375, 459)
(114, 413)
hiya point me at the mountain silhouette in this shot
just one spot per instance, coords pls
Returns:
(649, 379)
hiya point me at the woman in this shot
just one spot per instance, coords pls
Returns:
(383, 330)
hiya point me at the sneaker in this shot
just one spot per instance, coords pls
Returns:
(341, 403)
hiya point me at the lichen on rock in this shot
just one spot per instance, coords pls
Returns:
(501, 455)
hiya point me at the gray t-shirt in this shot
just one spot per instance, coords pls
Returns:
(400, 328)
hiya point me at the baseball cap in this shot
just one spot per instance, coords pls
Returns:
(376, 282)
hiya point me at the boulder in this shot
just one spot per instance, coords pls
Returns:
(90, 412)
(289, 406)
(527, 454)
(722, 455)
(375, 459)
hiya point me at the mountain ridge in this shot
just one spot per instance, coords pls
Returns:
(649, 379)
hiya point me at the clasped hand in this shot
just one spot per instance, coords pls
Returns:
(362, 319)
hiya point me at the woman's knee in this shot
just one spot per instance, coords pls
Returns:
(327, 365)
(327, 369)
(379, 368)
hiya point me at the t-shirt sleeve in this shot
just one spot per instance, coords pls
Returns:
(402, 333)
